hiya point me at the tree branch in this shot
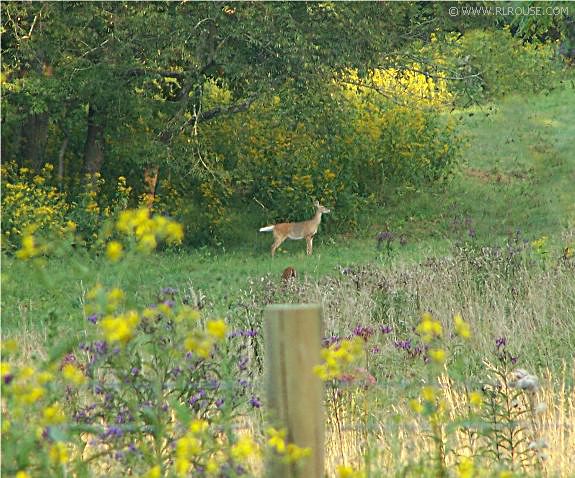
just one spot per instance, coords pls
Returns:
(223, 110)
(179, 75)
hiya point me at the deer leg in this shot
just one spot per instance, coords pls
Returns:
(309, 240)
(277, 242)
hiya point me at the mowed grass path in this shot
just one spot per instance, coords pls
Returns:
(518, 173)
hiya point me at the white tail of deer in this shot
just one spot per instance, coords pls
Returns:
(297, 230)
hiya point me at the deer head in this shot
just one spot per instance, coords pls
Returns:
(321, 209)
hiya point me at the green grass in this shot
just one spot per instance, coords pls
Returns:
(518, 173)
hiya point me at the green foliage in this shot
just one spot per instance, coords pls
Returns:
(488, 64)
(32, 203)
(341, 146)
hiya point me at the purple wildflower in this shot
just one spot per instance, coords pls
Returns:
(329, 341)
(219, 402)
(255, 402)
(402, 344)
(500, 342)
(197, 397)
(175, 371)
(386, 329)
(243, 363)
(112, 432)
(365, 332)
(93, 318)
(100, 347)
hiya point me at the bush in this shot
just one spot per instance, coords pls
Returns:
(32, 204)
(343, 147)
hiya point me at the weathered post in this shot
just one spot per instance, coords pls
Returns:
(292, 336)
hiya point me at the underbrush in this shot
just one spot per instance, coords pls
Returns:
(455, 366)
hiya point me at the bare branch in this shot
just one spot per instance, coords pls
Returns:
(224, 110)
(179, 75)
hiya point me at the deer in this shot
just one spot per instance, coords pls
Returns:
(297, 230)
(288, 274)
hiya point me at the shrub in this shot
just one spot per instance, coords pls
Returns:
(343, 147)
(32, 204)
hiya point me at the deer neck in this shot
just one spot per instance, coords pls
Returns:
(316, 218)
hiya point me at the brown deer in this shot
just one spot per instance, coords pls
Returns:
(288, 274)
(297, 230)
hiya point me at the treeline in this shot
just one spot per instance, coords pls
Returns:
(226, 114)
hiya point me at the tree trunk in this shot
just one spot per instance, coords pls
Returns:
(33, 140)
(61, 162)
(94, 147)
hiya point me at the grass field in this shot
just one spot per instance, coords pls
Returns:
(473, 245)
(518, 175)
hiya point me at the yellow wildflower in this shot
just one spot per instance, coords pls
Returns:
(476, 399)
(466, 468)
(296, 453)
(29, 249)
(182, 466)
(216, 329)
(201, 347)
(5, 369)
(174, 233)
(416, 405)
(59, 453)
(212, 466)
(53, 415)
(437, 355)
(429, 328)
(154, 472)
(114, 251)
(147, 243)
(73, 375)
(428, 394)
(45, 377)
(120, 328)
(187, 313)
(243, 449)
(115, 296)
(22, 474)
(35, 394)
(276, 439)
(461, 327)
(198, 426)
(9, 346)
(188, 446)
(344, 471)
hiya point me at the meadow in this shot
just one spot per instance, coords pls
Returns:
(456, 303)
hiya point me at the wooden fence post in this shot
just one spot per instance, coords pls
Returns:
(292, 337)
